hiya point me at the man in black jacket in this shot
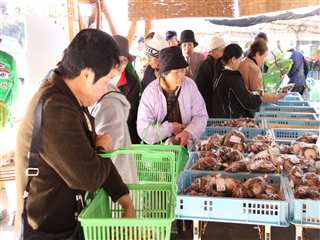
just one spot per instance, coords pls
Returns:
(63, 163)
(209, 70)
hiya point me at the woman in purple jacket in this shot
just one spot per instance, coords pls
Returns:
(171, 106)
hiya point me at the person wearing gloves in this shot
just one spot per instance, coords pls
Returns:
(209, 70)
(250, 69)
(153, 48)
(171, 106)
(56, 152)
(230, 95)
(194, 59)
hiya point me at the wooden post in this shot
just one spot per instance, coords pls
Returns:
(70, 10)
(147, 26)
(105, 11)
(98, 7)
(132, 31)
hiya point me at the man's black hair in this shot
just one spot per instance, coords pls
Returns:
(90, 48)
(230, 51)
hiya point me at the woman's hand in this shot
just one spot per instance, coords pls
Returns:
(282, 93)
(183, 138)
(177, 128)
(104, 141)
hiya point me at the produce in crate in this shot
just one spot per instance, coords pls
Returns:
(307, 150)
(212, 142)
(311, 179)
(307, 138)
(241, 122)
(220, 186)
(264, 162)
(307, 192)
(238, 166)
(259, 144)
(284, 148)
(295, 175)
(306, 185)
(206, 154)
(234, 139)
(229, 155)
(291, 160)
(211, 163)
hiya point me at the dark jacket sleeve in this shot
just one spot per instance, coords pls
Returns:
(247, 100)
(203, 78)
(67, 149)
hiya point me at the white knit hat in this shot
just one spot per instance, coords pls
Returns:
(216, 42)
(155, 45)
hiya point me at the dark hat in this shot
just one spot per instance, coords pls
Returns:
(188, 36)
(170, 35)
(123, 44)
(171, 58)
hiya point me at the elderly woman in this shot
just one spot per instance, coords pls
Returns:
(171, 106)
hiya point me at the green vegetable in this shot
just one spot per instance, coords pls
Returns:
(278, 67)
(4, 115)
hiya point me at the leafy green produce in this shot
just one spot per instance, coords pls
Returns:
(4, 115)
(278, 67)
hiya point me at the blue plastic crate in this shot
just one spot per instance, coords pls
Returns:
(286, 115)
(250, 133)
(292, 98)
(287, 109)
(213, 121)
(193, 158)
(303, 211)
(282, 134)
(232, 210)
(291, 123)
(294, 94)
(288, 103)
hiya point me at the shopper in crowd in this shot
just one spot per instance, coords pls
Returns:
(194, 59)
(209, 70)
(56, 159)
(153, 47)
(141, 59)
(171, 106)
(129, 85)
(231, 97)
(250, 69)
(298, 72)
(172, 38)
(112, 111)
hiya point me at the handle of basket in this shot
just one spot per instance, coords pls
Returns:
(145, 132)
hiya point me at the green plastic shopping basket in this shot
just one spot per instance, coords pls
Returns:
(181, 154)
(152, 166)
(154, 206)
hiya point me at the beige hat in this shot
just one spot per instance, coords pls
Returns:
(216, 42)
(155, 45)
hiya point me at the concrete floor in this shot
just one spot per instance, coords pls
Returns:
(224, 231)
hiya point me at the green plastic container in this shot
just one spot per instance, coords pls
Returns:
(181, 154)
(151, 166)
(155, 208)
